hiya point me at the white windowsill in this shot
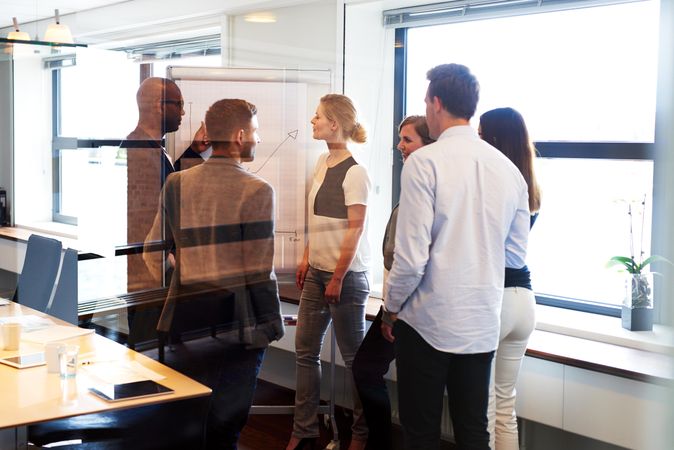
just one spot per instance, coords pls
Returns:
(596, 327)
(56, 229)
(593, 327)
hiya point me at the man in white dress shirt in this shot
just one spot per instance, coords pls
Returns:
(463, 218)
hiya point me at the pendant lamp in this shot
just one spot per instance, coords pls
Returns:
(16, 34)
(57, 32)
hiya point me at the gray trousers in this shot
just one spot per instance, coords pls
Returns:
(315, 314)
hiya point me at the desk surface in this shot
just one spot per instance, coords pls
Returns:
(32, 395)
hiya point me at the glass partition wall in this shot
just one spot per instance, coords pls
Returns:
(62, 167)
(69, 168)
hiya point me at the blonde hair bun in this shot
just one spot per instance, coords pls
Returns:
(340, 108)
(359, 135)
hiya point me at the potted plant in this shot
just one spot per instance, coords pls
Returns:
(637, 307)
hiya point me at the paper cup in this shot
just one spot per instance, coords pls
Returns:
(11, 336)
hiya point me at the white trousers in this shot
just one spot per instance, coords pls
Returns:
(518, 319)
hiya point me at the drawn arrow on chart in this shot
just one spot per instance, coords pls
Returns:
(292, 134)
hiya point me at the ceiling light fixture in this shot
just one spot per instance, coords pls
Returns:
(16, 34)
(57, 32)
(260, 17)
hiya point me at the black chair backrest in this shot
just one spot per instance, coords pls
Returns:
(36, 281)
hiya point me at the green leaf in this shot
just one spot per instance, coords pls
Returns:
(625, 261)
(652, 259)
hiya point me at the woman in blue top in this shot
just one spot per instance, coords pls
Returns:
(504, 128)
(377, 350)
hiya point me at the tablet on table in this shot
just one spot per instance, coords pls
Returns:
(24, 361)
(128, 391)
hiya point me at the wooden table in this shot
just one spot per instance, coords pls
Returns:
(32, 395)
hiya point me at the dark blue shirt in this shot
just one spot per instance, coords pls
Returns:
(520, 277)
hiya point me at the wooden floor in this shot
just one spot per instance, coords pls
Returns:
(271, 432)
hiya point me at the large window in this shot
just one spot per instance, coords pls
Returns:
(584, 75)
(95, 102)
(585, 81)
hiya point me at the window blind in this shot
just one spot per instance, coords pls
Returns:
(464, 10)
(204, 45)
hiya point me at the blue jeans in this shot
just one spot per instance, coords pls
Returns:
(423, 375)
(233, 384)
(314, 316)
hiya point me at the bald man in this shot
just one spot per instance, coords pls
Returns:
(160, 111)
(148, 165)
(160, 108)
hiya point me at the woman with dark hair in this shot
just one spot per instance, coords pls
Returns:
(333, 271)
(377, 351)
(504, 128)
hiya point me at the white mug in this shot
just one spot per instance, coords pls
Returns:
(11, 336)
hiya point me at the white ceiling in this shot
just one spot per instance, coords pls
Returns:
(91, 19)
(27, 11)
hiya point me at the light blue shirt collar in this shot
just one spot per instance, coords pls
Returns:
(458, 130)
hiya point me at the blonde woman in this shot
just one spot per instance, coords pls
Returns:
(333, 271)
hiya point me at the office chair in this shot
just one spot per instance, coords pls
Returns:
(38, 275)
(64, 303)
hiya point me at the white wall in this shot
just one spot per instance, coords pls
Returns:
(32, 139)
(368, 80)
(664, 133)
(303, 37)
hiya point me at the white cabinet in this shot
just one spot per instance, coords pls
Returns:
(620, 411)
(12, 254)
(629, 413)
(540, 392)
